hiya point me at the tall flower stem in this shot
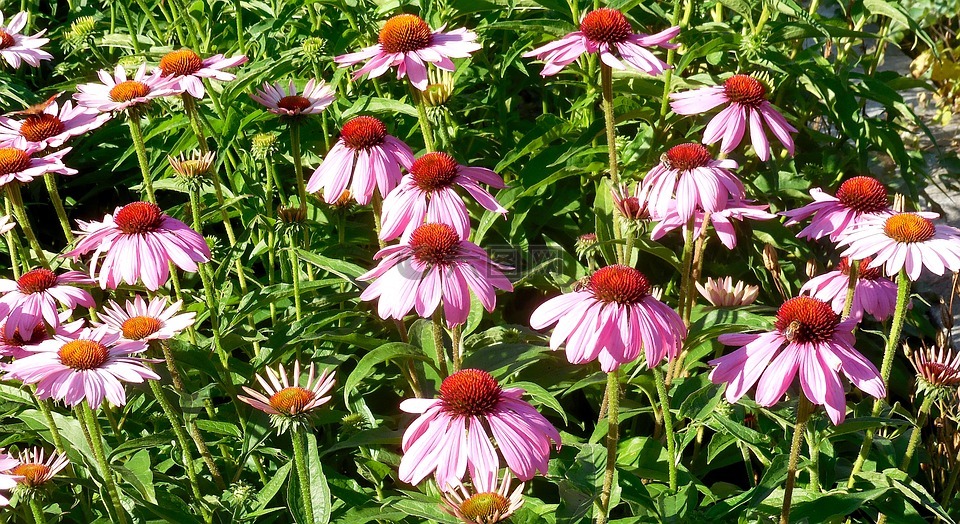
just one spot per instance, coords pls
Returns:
(177, 425)
(613, 438)
(896, 328)
(89, 421)
(606, 84)
(425, 128)
(51, 423)
(295, 274)
(804, 408)
(671, 56)
(51, 182)
(851, 287)
(11, 237)
(136, 133)
(438, 343)
(206, 279)
(298, 164)
(303, 473)
(915, 436)
(37, 510)
(13, 193)
(951, 484)
(667, 426)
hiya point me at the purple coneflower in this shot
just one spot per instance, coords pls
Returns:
(36, 469)
(722, 220)
(50, 127)
(907, 241)
(24, 165)
(699, 181)
(873, 294)
(33, 298)
(483, 504)
(287, 103)
(7, 481)
(118, 93)
(286, 399)
(722, 292)
(146, 321)
(189, 70)
(834, 216)
(16, 48)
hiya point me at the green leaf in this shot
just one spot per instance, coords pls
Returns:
(271, 488)
(319, 489)
(384, 353)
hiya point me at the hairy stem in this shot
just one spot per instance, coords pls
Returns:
(915, 436)
(613, 438)
(298, 164)
(89, 420)
(13, 193)
(851, 287)
(206, 279)
(177, 425)
(51, 423)
(51, 182)
(606, 82)
(37, 510)
(667, 426)
(804, 408)
(438, 343)
(136, 133)
(425, 128)
(303, 474)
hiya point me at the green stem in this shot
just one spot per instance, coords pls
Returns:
(425, 128)
(606, 81)
(667, 426)
(686, 266)
(51, 423)
(804, 408)
(177, 425)
(11, 237)
(13, 193)
(438, 343)
(128, 18)
(238, 8)
(37, 510)
(96, 442)
(207, 281)
(613, 438)
(136, 133)
(671, 56)
(51, 183)
(298, 164)
(951, 484)
(851, 287)
(915, 436)
(896, 327)
(455, 347)
(303, 474)
(295, 274)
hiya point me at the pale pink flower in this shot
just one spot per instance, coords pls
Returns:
(428, 194)
(138, 319)
(287, 103)
(699, 181)
(407, 43)
(89, 367)
(453, 433)
(7, 481)
(907, 241)
(290, 399)
(748, 107)
(138, 242)
(612, 319)
(24, 165)
(118, 93)
(809, 338)
(16, 48)
(483, 504)
(433, 266)
(722, 292)
(15, 346)
(722, 221)
(365, 154)
(189, 70)
(7, 223)
(50, 127)
(34, 298)
(873, 294)
(834, 216)
(607, 32)
(36, 469)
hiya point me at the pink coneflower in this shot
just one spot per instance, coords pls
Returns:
(189, 70)
(629, 205)
(23, 165)
(407, 43)
(481, 504)
(611, 320)
(428, 193)
(89, 367)
(873, 293)
(287, 103)
(722, 221)
(818, 344)
(936, 368)
(606, 32)
(141, 320)
(858, 197)
(16, 48)
(14, 345)
(118, 93)
(50, 126)
(7, 481)
(909, 241)
(366, 154)
(452, 434)
(288, 400)
(138, 242)
(433, 266)
(748, 107)
(33, 298)
(36, 469)
(722, 292)
(698, 180)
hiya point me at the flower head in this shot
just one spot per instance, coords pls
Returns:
(49, 125)
(16, 48)
(873, 294)
(723, 293)
(118, 93)
(612, 319)
(141, 320)
(809, 338)
(433, 266)
(365, 154)
(481, 504)
(17, 346)
(89, 367)
(748, 107)
(25, 164)
(287, 103)
(290, 403)
(938, 369)
(630, 206)
(34, 297)
(452, 433)
(36, 469)
(834, 216)
(189, 70)
(192, 168)
(408, 43)
(905, 241)
(428, 193)
(137, 243)
(699, 181)
(722, 220)
(607, 32)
